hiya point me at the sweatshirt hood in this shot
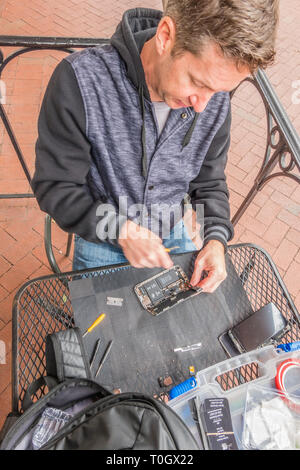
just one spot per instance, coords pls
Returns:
(137, 26)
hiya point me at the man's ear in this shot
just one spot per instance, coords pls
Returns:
(165, 35)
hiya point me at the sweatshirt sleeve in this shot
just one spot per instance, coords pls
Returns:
(63, 157)
(210, 188)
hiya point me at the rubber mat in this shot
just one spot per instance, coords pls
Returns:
(143, 345)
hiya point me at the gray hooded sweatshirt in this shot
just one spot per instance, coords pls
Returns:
(99, 144)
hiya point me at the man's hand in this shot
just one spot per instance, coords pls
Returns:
(143, 248)
(212, 260)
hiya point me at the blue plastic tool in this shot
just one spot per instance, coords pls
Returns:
(188, 384)
(288, 347)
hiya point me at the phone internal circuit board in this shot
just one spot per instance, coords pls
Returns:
(165, 290)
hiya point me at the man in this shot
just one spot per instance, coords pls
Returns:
(146, 120)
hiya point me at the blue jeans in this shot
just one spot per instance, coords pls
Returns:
(93, 255)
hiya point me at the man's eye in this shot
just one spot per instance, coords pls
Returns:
(198, 85)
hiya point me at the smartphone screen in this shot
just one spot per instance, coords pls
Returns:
(260, 327)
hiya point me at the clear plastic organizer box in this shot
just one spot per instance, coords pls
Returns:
(258, 366)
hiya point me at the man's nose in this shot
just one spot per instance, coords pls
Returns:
(199, 101)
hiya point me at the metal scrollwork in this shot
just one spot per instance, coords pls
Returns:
(282, 146)
(286, 162)
(275, 137)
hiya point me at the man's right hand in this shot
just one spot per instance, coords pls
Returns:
(143, 248)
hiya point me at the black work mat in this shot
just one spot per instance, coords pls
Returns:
(143, 348)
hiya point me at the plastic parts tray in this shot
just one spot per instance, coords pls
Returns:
(230, 379)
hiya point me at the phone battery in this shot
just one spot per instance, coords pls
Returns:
(154, 292)
(168, 278)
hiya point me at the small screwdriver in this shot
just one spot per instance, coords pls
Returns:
(96, 322)
(171, 249)
(104, 357)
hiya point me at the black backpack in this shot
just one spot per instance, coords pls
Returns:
(100, 420)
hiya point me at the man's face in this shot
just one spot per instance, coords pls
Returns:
(188, 80)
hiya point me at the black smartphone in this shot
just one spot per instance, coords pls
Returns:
(259, 329)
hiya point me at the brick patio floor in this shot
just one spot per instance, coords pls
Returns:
(272, 221)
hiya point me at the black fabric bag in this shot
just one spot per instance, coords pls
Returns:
(99, 420)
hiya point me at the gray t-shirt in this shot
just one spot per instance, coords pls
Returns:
(162, 111)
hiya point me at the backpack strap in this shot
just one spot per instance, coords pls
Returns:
(66, 357)
(33, 388)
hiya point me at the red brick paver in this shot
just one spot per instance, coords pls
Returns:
(272, 220)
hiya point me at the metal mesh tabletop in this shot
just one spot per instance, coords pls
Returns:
(43, 306)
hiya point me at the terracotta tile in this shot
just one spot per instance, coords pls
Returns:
(39, 253)
(237, 186)
(5, 404)
(294, 236)
(13, 278)
(296, 194)
(285, 254)
(41, 271)
(290, 219)
(28, 264)
(276, 232)
(21, 231)
(234, 171)
(13, 251)
(292, 278)
(4, 266)
(286, 187)
(297, 259)
(253, 224)
(284, 201)
(251, 237)
(268, 212)
(297, 302)
(6, 306)
(3, 293)
(5, 335)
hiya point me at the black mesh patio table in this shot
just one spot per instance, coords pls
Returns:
(43, 306)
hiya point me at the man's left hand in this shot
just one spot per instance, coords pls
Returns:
(212, 260)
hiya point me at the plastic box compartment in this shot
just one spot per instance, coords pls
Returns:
(229, 379)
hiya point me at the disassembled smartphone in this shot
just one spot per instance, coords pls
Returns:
(165, 290)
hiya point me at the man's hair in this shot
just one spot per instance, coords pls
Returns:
(245, 30)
